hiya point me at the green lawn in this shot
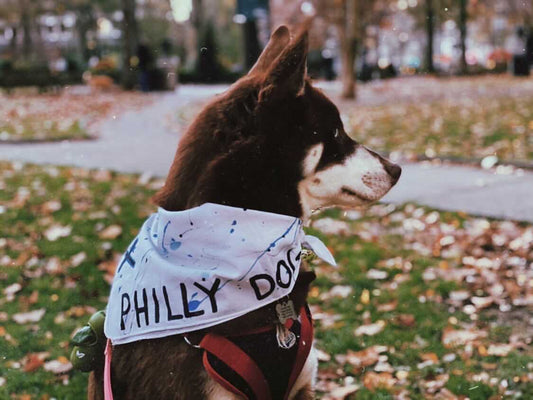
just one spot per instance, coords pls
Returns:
(463, 127)
(36, 130)
(422, 304)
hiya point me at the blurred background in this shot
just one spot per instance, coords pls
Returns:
(148, 44)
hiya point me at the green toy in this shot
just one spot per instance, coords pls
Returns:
(89, 344)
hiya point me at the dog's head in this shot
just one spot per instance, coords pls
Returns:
(273, 142)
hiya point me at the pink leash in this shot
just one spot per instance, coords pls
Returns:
(108, 392)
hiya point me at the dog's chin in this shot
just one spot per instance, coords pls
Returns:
(314, 204)
(345, 197)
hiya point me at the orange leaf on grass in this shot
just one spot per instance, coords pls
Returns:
(373, 380)
(366, 357)
(111, 232)
(33, 362)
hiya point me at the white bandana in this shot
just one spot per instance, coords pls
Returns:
(192, 269)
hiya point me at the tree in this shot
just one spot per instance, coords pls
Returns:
(86, 14)
(351, 17)
(428, 14)
(130, 38)
(21, 16)
(430, 33)
(463, 19)
(203, 18)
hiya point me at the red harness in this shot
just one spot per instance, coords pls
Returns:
(237, 369)
(233, 362)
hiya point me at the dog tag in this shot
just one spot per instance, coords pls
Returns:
(285, 311)
(286, 338)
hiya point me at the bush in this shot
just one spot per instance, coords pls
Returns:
(35, 75)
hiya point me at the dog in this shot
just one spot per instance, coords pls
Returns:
(272, 142)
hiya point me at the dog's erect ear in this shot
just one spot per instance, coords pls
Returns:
(286, 76)
(278, 41)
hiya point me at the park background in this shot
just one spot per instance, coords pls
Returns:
(434, 293)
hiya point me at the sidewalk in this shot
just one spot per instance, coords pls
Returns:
(141, 142)
(469, 189)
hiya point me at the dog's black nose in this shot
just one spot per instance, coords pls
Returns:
(393, 170)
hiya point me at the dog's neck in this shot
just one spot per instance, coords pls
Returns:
(259, 189)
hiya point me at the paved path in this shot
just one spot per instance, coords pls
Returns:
(136, 141)
(469, 189)
(141, 141)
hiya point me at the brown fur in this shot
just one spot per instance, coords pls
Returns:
(245, 149)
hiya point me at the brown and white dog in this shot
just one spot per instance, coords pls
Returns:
(273, 143)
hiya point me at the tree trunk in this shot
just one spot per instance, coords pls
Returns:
(84, 22)
(348, 56)
(463, 18)
(430, 32)
(13, 43)
(131, 40)
(26, 22)
(348, 39)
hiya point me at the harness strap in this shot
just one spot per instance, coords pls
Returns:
(108, 391)
(304, 347)
(239, 361)
(242, 364)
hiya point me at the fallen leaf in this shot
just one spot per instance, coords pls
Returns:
(57, 231)
(365, 296)
(407, 320)
(499, 350)
(445, 394)
(387, 307)
(51, 206)
(402, 375)
(330, 226)
(31, 316)
(59, 366)
(481, 302)
(341, 393)
(373, 380)
(366, 357)
(376, 274)
(11, 290)
(429, 357)
(370, 329)
(53, 266)
(459, 295)
(78, 258)
(435, 384)
(34, 361)
(111, 232)
(341, 291)
(453, 338)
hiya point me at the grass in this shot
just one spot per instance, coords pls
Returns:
(465, 118)
(68, 278)
(35, 130)
(461, 127)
